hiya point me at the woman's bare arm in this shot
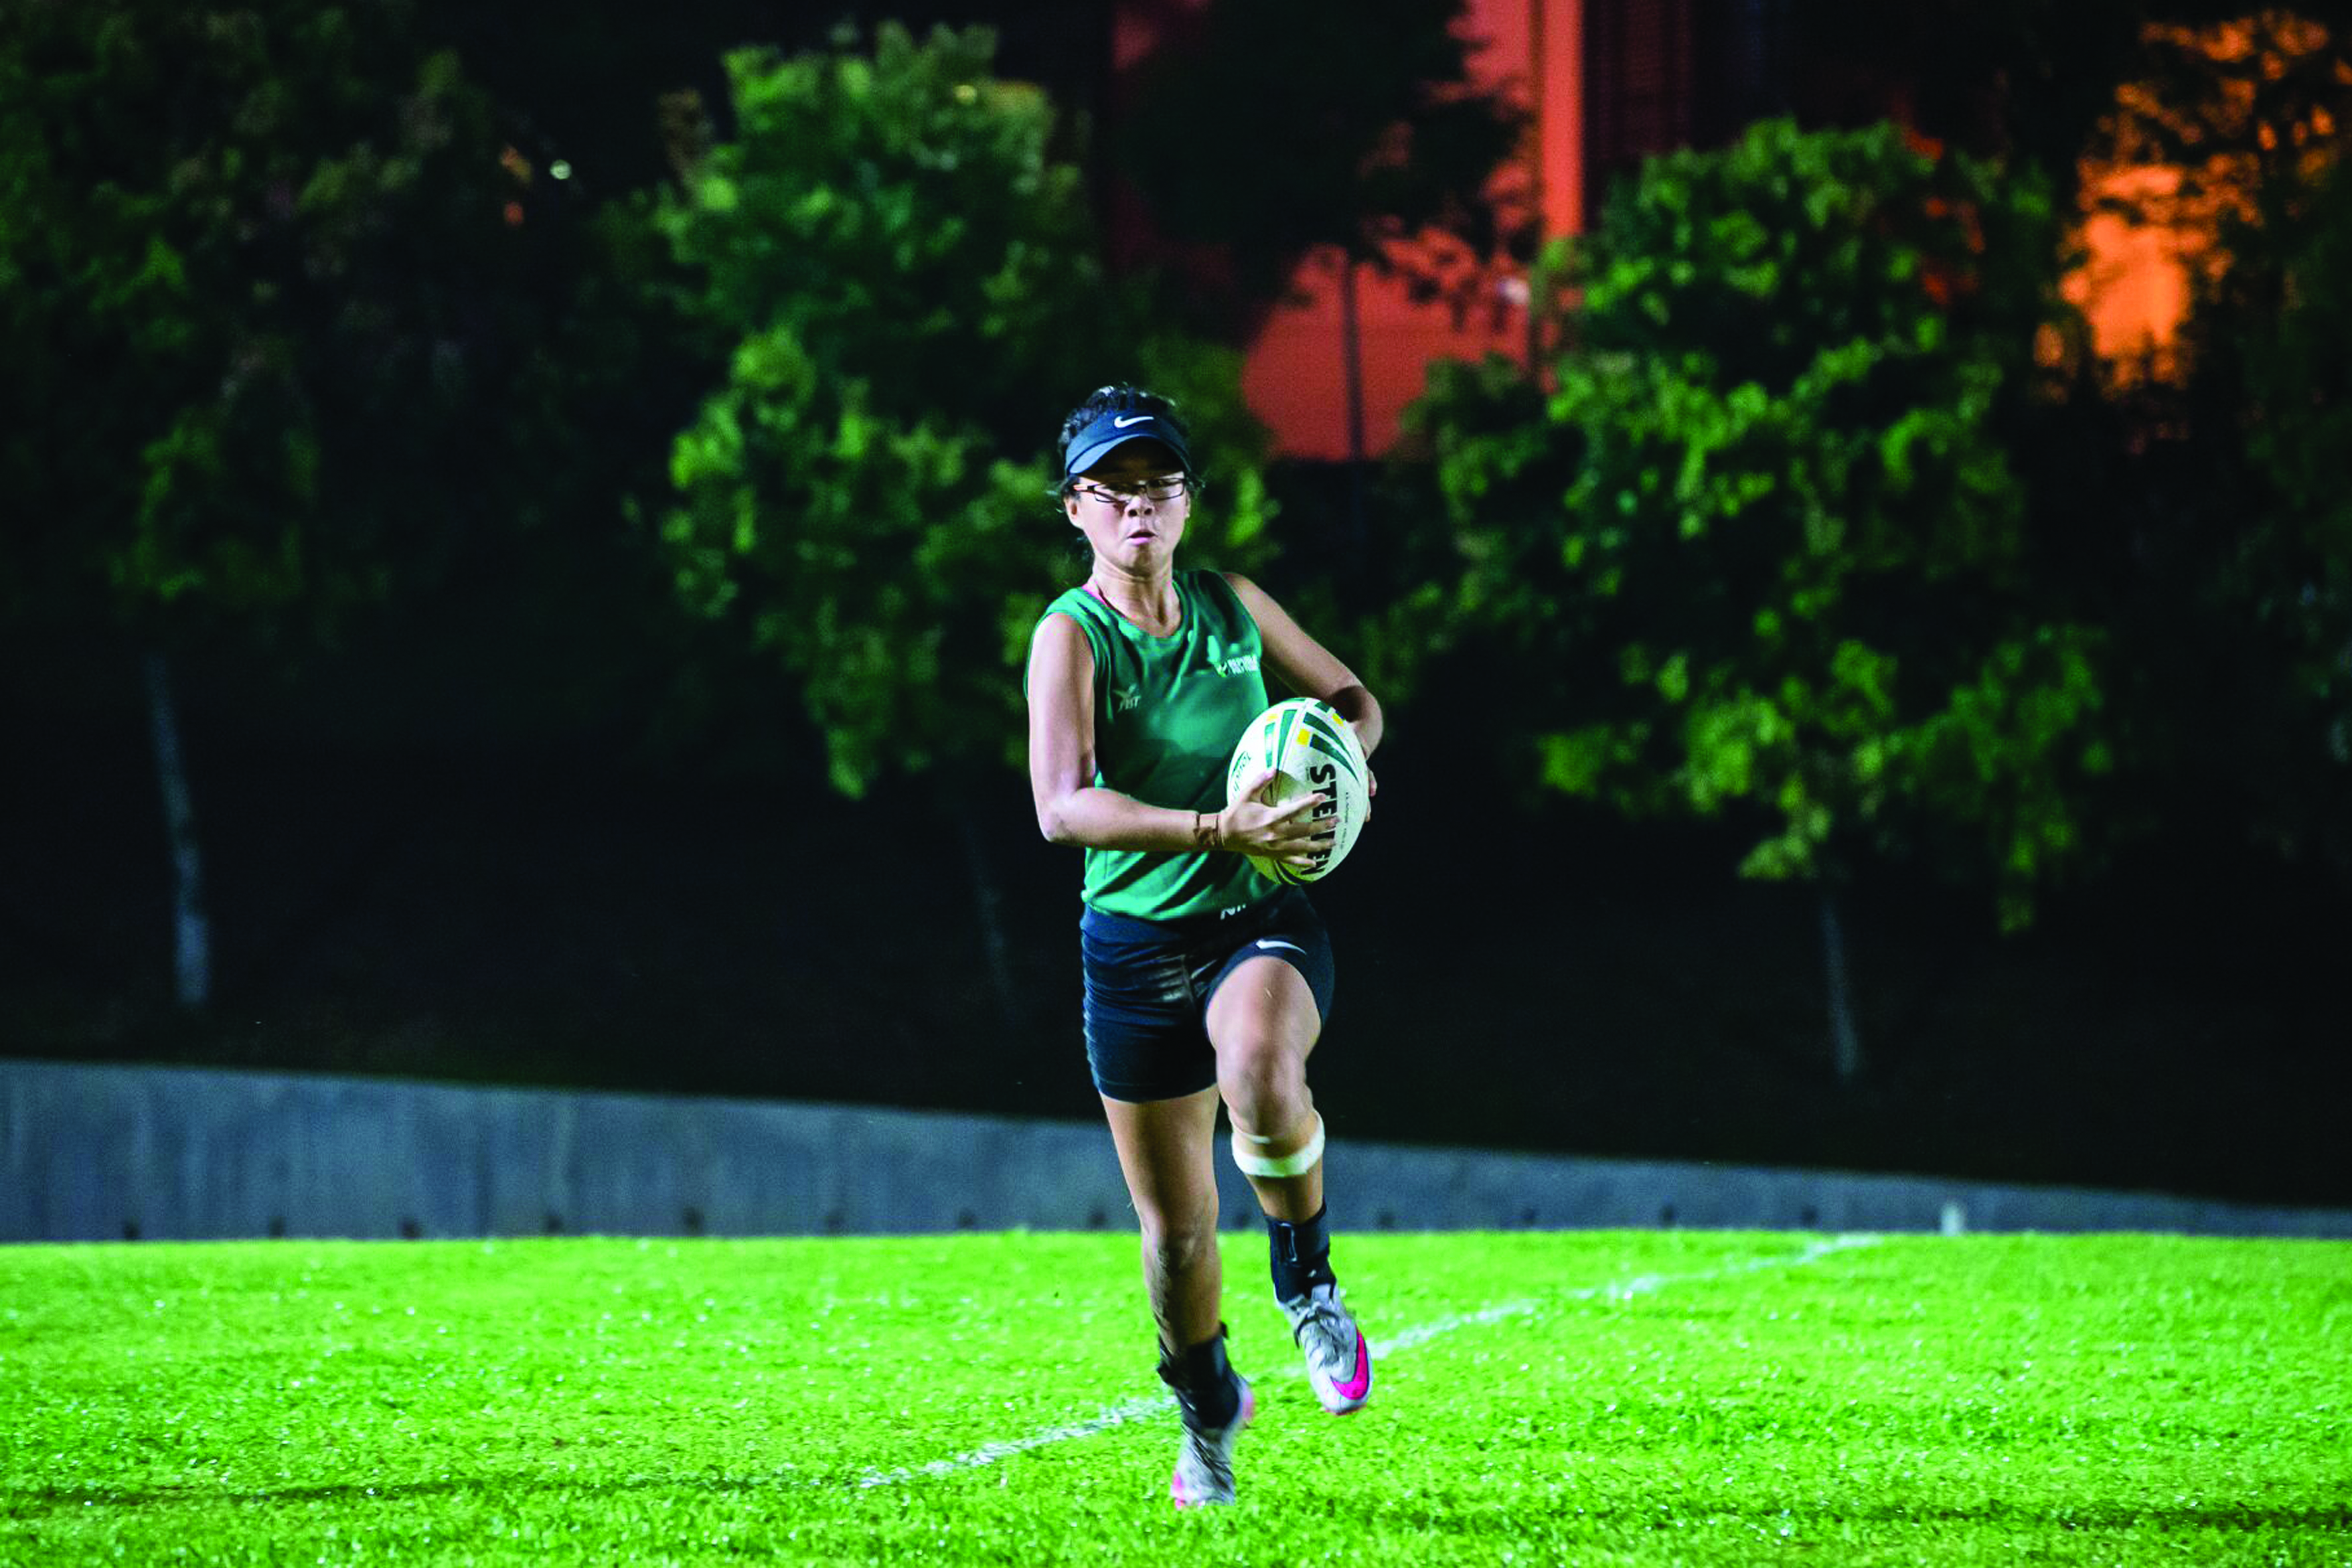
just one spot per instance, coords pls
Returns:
(1074, 810)
(1306, 667)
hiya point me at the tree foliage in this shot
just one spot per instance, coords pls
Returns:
(2298, 367)
(1763, 550)
(2226, 540)
(909, 290)
(275, 340)
(2254, 115)
(2025, 79)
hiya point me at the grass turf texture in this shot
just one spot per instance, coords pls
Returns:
(1588, 1397)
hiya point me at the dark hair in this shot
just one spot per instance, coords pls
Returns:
(1118, 397)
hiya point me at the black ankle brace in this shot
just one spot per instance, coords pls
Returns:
(1302, 1254)
(1203, 1382)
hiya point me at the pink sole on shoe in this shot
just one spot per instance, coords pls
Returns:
(1249, 1414)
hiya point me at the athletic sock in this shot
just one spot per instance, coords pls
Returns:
(1302, 1255)
(1204, 1380)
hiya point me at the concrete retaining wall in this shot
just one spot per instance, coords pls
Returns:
(99, 1153)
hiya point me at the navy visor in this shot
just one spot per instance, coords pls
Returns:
(1111, 430)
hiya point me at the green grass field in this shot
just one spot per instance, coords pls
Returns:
(1675, 1397)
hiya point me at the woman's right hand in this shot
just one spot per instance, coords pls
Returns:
(1283, 833)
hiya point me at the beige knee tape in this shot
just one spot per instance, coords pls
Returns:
(1296, 1165)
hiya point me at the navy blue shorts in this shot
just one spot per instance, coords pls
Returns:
(1149, 983)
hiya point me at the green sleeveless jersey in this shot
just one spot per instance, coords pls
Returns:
(1168, 712)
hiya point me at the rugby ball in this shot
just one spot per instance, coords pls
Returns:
(1310, 748)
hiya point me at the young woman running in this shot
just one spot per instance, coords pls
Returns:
(1205, 979)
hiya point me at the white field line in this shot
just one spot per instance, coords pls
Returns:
(1616, 1290)
(1119, 1414)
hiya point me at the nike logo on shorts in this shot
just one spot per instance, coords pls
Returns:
(1292, 946)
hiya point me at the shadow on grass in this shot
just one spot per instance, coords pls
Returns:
(34, 1503)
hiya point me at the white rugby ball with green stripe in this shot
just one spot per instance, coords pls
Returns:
(1311, 750)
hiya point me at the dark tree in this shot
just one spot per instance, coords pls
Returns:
(1262, 135)
(1763, 548)
(909, 292)
(281, 336)
(2228, 572)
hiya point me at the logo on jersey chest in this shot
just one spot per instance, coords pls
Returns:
(1125, 698)
(1233, 664)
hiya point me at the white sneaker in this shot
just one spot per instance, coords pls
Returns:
(1205, 1464)
(1338, 1361)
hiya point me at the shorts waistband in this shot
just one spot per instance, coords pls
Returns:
(1133, 928)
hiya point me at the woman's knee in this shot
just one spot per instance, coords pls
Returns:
(1173, 1244)
(1264, 1083)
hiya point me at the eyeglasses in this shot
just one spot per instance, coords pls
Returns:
(1167, 487)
